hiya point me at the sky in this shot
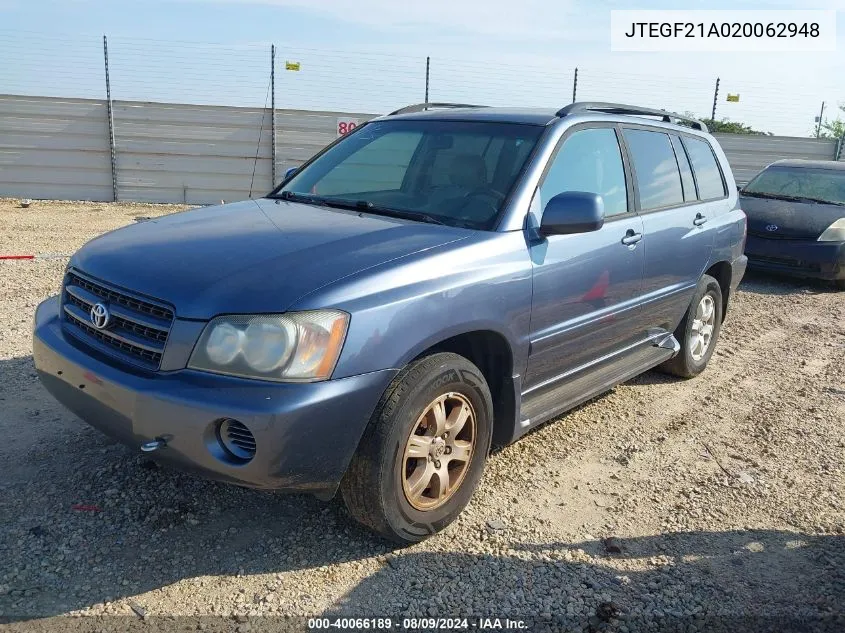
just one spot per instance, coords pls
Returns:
(369, 56)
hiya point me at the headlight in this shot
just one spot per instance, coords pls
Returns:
(299, 346)
(835, 232)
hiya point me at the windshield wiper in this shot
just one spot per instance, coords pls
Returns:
(772, 196)
(292, 196)
(369, 207)
(777, 196)
(821, 201)
(366, 206)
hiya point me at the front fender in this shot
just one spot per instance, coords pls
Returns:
(402, 308)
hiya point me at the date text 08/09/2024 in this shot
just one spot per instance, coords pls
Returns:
(412, 624)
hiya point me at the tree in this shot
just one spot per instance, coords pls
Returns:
(833, 129)
(732, 127)
(728, 127)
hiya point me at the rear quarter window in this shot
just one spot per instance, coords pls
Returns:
(707, 172)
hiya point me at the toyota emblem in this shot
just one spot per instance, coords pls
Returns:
(771, 228)
(99, 316)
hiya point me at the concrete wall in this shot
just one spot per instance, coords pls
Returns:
(54, 148)
(59, 149)
(748, 154)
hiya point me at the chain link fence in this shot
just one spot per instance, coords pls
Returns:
(197, 122)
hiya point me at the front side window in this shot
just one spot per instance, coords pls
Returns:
(658, 177)
(452, 172)
(707, 173)
(590, 161)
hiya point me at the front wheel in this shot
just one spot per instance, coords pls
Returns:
(423, 453)
(698, 331)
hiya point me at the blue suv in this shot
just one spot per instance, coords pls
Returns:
(440, 280)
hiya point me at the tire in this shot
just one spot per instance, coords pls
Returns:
(690, 362)
(377, 486)
(839, 284)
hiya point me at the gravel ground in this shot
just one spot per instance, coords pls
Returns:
(709, 504)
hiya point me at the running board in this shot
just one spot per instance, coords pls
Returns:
(540, 407)
(668, 342)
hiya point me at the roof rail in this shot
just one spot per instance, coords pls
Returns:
(621, 108)
(419, 107)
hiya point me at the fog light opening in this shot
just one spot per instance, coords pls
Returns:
(236, 440)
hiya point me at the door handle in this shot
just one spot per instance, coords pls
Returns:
(631, 238)
(699, 219)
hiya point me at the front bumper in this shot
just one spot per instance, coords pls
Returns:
(305, 434)
(797, 258)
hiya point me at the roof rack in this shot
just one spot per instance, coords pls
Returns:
(419, 107)
(621, 108)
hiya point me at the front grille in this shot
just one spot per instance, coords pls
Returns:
(773, 235)
(137, 329)
(786, 262)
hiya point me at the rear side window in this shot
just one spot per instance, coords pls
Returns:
(658, 178)
(589, 160)
(686, 172)
(707, 173)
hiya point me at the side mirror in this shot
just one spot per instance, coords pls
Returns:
(573, 212)
(290, 172)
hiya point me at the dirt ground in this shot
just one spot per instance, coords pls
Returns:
(722, 496)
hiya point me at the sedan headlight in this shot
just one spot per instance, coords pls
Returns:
(835, 232)
(298, 346)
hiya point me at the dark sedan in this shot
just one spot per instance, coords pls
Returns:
(796, 219)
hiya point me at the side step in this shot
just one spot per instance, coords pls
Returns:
(577, 389)
(668, 342)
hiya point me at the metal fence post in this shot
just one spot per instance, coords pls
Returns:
(715, 100)
(273, 114)
(427, 71)
(819, 126)
(110, 113)
(575, 85)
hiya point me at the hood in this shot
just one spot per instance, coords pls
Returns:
(799, 220)
(250, 257)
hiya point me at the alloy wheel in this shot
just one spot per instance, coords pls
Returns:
(438, 451)
(702, 328)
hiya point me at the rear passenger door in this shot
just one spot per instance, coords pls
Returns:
(675, 209)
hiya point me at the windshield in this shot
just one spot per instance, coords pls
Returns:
(450, 172)
(821, 185)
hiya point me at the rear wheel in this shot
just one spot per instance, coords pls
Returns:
(424, 450)
(698, 331)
